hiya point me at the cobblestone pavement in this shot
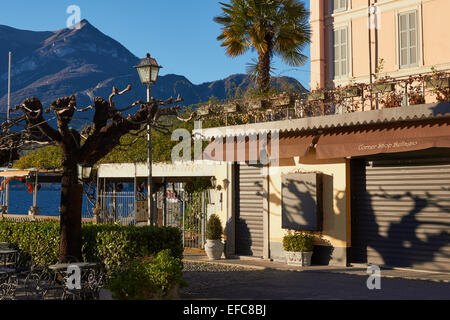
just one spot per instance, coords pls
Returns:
(220, 281)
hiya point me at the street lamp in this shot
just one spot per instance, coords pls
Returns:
(148, 70)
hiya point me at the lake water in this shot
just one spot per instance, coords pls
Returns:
(48, 200)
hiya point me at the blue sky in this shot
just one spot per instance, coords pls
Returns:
(180, 34)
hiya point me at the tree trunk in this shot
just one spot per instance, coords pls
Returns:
(264, 71)
(70, 213)
(264, 61)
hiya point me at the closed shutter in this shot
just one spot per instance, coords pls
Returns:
(340, 5)
(340, 52)
(401, 215)
(408, 39)
(249, 210)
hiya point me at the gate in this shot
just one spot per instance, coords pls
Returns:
(117, 207)
(183, 210)
(187, 211)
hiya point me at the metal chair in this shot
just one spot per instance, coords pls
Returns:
(8, 284)
(91, 281)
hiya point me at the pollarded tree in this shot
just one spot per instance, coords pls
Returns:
(83, 148)
(271, 27)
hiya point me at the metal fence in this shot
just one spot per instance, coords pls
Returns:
(117, 207)
(187, 211)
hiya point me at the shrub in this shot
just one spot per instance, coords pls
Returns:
(141, 279)
(213, 228)
(298, 242)
(110, 245)
(115, 245)
(38, 239)
(132, 283)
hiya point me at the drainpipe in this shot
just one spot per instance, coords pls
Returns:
(370, 54)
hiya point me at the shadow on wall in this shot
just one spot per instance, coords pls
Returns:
(299, 199)
(249, 239)
(411, 235)
(299, 205)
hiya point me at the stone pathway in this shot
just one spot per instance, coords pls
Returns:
(219, 280)
(260, 264)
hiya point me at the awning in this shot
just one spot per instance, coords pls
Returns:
(15, 173)
(254, 148)
(390, 138)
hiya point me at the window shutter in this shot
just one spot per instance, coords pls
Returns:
(408, 39)
(337, 53)
(413, 38)
(339, 5)
(340, 52)
(336, 5)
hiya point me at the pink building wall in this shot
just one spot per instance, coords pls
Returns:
(433, 39)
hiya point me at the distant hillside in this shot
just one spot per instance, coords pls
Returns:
(88, 63)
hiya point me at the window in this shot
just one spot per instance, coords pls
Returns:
(340, 53)
(339, 5)
(408, 39)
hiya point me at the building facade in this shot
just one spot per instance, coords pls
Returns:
(383, 195)
(396, 38)
(380, 177)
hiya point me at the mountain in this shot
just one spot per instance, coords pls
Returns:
(88, 63)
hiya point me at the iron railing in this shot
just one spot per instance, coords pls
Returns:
(384, 92)
(186, 211)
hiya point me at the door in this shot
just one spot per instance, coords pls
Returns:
(249, 210)
(401, 214)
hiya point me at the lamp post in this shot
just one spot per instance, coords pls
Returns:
(148, 70)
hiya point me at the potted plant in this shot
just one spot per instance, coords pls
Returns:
(298, 247)
(214, 246)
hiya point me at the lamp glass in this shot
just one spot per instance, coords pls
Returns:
(144, 74)
(154, 70)
(87, 172)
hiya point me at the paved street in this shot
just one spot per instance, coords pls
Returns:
(214, 281)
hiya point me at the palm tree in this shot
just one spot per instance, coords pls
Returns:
(271, 27)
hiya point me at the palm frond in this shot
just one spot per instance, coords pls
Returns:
(277, 27)
(251, 69)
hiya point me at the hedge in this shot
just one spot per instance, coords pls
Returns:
(111, 245)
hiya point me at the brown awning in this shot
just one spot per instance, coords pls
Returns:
(390, 138)
(253, 148)
(295, 145)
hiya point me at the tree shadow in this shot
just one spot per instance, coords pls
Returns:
(249, 228)
(419, 239)
(299, 205)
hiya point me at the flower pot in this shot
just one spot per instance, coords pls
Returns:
(231, 107)
(383, 87)
(313, 96)
(353, 92)
(300, 259)
(438, 83)
(282, 101)
(257, 104)
(214, 249)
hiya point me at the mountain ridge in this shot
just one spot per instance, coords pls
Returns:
(88, 63)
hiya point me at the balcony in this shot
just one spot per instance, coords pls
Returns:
(384, 93)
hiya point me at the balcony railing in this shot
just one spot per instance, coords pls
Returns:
(383, 93)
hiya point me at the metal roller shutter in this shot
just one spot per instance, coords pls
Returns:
(249, 211)
(401, 215)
